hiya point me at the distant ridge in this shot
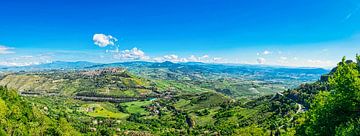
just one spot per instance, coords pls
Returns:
(79, 65)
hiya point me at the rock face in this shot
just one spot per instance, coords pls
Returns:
(325, 78)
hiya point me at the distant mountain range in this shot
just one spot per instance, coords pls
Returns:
(193, 71)
(78, 65)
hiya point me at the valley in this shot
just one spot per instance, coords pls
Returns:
(163, 98)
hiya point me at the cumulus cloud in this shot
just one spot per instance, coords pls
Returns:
(5, 50)
(266, 52)
(103, 40)
(204, 58)
(158, 59)
(133, 54)
(261, 60)
(172, 58)
(191, 58)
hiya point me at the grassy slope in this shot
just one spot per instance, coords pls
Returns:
(20, 117)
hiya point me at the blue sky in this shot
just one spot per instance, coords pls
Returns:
(280, 32)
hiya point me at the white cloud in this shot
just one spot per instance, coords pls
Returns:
(321, 63)
(133, 54)
(103, 40)
(266, 52)
(5, 50)
(191, 58)
(158, 59)
(173, 58)
(261, 60)
(283, 58)
(204, 58)
(25, 60)
(217, 59)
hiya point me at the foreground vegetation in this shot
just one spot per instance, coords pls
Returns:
(18, 116)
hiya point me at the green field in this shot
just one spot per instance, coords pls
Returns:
(136, 107)
(105, 110)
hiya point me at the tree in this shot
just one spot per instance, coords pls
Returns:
(250, 131)
(19, 117)
(330, 112)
